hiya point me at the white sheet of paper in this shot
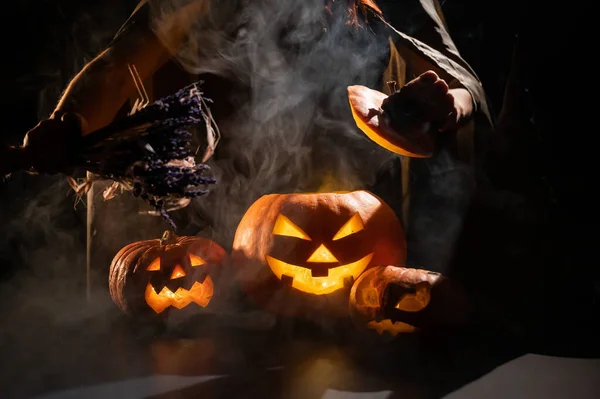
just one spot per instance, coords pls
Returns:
(536, 376)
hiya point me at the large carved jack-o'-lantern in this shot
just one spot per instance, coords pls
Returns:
(300, 253)
(147, 278)
(394, 300)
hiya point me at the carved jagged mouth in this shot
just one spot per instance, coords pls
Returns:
(411, 302)
(303, 280)
(200, 293)
(393, 328)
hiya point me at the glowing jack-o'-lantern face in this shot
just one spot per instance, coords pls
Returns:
(166, 285)
(322, 273)
(411, 299)
(172, 272)
(396, 300)
(315, 245)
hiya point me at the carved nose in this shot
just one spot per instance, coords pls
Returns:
(322, 255)
(177, 272)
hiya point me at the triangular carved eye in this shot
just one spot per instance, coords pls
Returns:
(352, 226)
(285, 227)
(196, 260)
(154, 266)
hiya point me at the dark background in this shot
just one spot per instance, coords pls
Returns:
(527, 252)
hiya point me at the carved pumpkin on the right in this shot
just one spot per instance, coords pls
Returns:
(394, 300)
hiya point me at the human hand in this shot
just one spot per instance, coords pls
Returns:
(48, 147)
(424, 104)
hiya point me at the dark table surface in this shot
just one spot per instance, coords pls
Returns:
(89, 350)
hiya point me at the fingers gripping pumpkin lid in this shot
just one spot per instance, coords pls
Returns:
(366, 106)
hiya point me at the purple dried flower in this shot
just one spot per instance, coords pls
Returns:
(151, 150)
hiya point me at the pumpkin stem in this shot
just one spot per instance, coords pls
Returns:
(168, 238)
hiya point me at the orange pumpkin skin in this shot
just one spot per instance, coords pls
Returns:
(394, 300)
(149, 278)
(298, 254)
(366, 106)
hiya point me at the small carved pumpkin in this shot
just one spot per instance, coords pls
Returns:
(396, 300)
(153, 276)
(302, 252)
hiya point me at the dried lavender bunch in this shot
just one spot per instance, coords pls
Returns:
(150, 151)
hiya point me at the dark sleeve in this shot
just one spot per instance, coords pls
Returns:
(419, 26)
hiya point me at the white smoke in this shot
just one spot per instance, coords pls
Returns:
(289, 63)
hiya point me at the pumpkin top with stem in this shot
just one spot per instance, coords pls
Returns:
(169, 237)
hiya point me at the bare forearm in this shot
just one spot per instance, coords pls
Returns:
(97, 93)
(102, 87)
(463, 103)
